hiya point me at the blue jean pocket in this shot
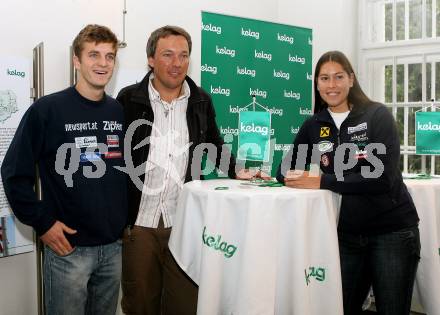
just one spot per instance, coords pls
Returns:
(411, 238)
(63, 256)
(405, 233)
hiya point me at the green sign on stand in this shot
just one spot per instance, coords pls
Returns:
(254, 136)
(427, 133)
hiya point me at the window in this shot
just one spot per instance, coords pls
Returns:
(400, 66)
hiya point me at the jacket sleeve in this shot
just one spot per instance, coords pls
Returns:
(213, 136)
(384, 131)
(290, 160)
(18, 173)
(121, 97)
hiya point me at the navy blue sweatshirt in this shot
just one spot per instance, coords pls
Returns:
(95, 207)
(370, 205)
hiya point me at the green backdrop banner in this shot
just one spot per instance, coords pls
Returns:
(428, 133)
(243, 57)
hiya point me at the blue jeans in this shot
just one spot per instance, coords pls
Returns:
(86, 281)
(388, 262)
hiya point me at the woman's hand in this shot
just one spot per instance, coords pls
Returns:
(302, 179)
(252, 174)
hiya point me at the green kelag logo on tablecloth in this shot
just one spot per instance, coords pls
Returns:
(216, 243)
(427, 133)
(254, 136)
(315, 272)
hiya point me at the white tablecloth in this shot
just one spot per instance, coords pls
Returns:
(259, 250)
(426, 196)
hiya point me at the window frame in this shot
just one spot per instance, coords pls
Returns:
(425, 50)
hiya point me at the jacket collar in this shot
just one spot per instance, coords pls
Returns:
(140, 94)
(324, 115)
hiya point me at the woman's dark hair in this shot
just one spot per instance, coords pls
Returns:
(356, 97)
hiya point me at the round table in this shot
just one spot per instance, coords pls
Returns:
(426, 197)
(259, 250)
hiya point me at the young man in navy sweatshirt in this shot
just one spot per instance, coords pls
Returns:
(75, 139)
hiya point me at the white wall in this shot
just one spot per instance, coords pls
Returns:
(334, 24)
(25, 23)
(18, 285)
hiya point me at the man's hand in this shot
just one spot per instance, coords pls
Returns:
(246, 174)
(55, 239)
(302, 179)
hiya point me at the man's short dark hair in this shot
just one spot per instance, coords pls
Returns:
(163, 32)
(93, 33)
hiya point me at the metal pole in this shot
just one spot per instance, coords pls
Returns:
(73, 73)
(38, 71)
(4, 239)
(123, 43)
(38, 78)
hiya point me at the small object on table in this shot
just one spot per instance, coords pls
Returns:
(262, 183)
(221, 188)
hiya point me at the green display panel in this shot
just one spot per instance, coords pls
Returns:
(243, 57)
(427, 133)
(254, 136)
